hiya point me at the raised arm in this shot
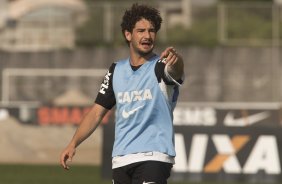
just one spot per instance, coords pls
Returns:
(88, 125)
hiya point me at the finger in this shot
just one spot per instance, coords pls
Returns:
(66, 165)
(173, 51)
(165, 53)
(170, 48)
(170, 55)
(64, 158)
(70, 157)
(173, 60)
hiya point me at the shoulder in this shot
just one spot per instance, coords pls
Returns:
(112, 67)
(121, 62)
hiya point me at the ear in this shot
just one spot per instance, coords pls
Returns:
(127, 35)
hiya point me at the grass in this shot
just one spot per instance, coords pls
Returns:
(49, 174)
(54, 174)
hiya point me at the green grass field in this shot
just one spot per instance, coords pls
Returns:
(54, 174)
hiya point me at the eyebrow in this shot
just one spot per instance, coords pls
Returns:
(142, 29)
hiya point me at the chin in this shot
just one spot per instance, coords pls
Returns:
(145, 53)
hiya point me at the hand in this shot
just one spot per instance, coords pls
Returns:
(170, 55)
(66, 156)
(174, 62)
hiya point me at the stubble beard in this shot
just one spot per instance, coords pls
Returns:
(144, 53)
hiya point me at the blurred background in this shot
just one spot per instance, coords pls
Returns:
(54, 55)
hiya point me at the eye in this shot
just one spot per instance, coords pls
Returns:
(140, 30)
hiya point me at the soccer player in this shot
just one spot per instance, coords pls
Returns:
(144, 89)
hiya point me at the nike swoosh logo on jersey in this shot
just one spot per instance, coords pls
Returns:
(129, 113)
(229, 119)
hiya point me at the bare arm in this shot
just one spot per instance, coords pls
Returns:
(174, 63)
(87, 126)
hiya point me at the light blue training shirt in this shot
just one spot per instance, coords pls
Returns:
(144, 110)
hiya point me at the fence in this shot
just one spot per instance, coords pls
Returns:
(222, 74)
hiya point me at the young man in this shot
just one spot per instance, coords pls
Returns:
(144, 88)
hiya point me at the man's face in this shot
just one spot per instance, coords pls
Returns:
(142, 37)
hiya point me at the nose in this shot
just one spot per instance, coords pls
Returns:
(147, 34)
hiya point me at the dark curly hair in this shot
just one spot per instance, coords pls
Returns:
(136, 13)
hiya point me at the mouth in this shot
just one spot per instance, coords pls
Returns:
(146, 43)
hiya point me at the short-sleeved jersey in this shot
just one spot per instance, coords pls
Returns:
(144, 99)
